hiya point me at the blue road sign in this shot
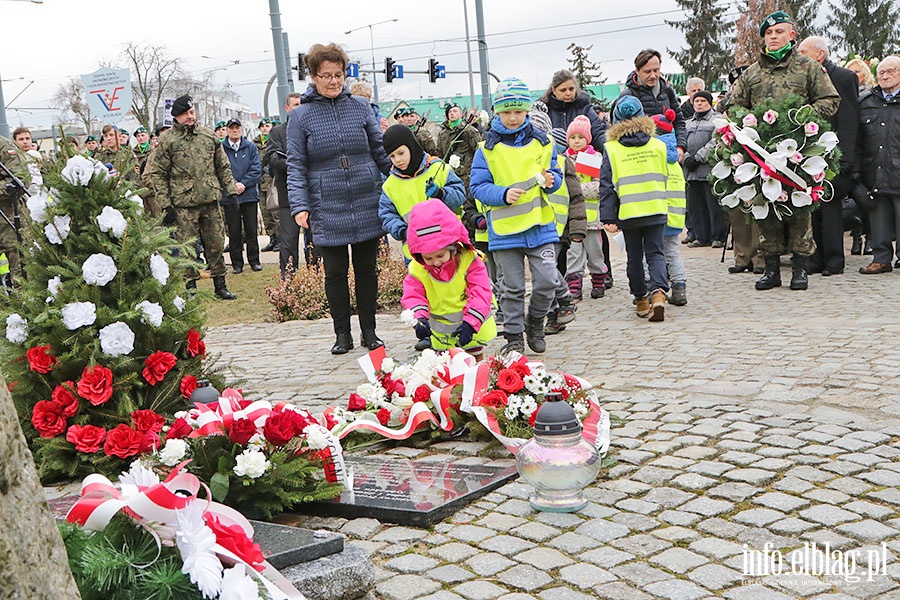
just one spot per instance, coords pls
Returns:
(441, 72)
(353, 70)
(398, 71)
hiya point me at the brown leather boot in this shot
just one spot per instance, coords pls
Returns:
(658, 306)
(642, 307)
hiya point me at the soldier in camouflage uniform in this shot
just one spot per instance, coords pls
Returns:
(189, 172)
(120, 157)
(782, 71)
(270, 217)
(410, 118)
(9, 155)
(142, 153)
(460, 138)
(90, 145)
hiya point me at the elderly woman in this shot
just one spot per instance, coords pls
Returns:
(863, 73)
(335, 162)
(565, 100)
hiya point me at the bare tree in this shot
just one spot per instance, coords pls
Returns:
(72, 102)
(747, 44)
(152, 73)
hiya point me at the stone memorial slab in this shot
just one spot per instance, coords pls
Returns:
(410, 492)
(285, 546)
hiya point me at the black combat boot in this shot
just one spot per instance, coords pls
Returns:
(514, 343)
(534, 333)
(273, 241)
(220, 290)
(800, 276)
(856, 248)
(772, 276)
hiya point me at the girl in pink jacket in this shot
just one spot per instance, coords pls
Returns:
(448, 288)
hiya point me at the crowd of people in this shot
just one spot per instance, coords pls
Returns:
(546, 183)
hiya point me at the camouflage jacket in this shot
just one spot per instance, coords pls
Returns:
(189, 168)
(9, 156)
(266, 179)
(426, 140)
(796, 74)
(123, 160)
(464, 144)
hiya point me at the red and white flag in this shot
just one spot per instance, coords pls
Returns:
(588, 164)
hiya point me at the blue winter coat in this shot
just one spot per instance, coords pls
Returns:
(563, 113)
(335, 162)
(483, 188)
(245, 167)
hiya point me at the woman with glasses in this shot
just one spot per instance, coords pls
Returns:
(335, 162)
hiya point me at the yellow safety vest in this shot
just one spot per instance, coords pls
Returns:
(4, 264)
(639, 175)
(481, 236)
(406, 192)
(447, 301)
(676, 198)
(516, 166)
(591, 207)
(559, 200)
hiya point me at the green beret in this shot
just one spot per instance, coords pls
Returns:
(91, 138)
(779, 16)
(401, 112)
(124, 132)
(140, 130)
(219, 124)
(266, 121)
(275, 121)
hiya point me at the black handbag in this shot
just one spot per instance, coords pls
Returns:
(862, 196)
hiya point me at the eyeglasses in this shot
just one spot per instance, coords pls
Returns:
(887, 72)
(330, 76)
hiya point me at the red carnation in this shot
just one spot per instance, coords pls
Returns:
(48, 418)
(509, 381)
(147, 420)
(241, 431)
(180, 429)
(64, 396)
(357, 402)
(234, 539)
(279, 428)
(40, 359)
(195, 345)
(96, 384)
(494, 399)
(87, 438)
(330, 420)
(422, 394)
(188, 385)
(157, 365)
(383, 415)
(123, 441)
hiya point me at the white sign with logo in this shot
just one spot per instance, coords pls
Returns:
(108, 93)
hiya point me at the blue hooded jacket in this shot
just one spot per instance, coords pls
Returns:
(245, 167)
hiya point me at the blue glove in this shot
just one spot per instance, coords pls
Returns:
(433, 190)
(423, 329)
(464, 332)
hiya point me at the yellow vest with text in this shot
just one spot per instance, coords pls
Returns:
(516, 166)
(447, 302)
(676, 198)
(639, 175)
(406, 192)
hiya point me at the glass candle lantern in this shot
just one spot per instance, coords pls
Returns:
(204, 393)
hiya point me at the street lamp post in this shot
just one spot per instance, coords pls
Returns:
(4, 126)
(372, 44)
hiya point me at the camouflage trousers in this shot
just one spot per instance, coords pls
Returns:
(774, 241)
(270, 219)
(8, 239)
(207, 223)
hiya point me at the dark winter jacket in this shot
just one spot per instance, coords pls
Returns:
(276, 159)
(701, 139)
(845, 121)
(563, 113)
(656, 104)
(576, 224)
(879, 141)
(245, 167)
(335, 162)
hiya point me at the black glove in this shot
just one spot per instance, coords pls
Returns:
(690, 163)
(233, 200)
(169, 217)
(423, 329)
(464, 332)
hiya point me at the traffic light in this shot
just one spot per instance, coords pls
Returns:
(432, 70)
(301, 65)
(388, 69)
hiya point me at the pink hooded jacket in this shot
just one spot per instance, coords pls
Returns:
(432, 227)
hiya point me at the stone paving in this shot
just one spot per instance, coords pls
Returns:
(752, 422)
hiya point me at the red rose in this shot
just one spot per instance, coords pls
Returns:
(95, 385)
(123, 441)
(188, 385)
(279, 428)
(179, 429)
(149, 442)
(521, 367)
(357, 402)
(195, 345)
(494, 399)
(157, 365)
(533, 417)
(234, 539)
(40, 359)
(48, 418)
(384, 415)
(147, 420)
(87, 438)
(241, 431)
(509, 381)
(422, 394)
(64, 396)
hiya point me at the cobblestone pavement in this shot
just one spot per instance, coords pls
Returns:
(750, 418)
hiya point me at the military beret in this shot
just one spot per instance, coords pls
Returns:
(140, 130)
(275, 121)
(181, 105)
(401, 112)
(91, 138)
(266, 121)
(411, 111)
(219, 124)
(779, 16)
(735, 73)
(124, 132)
(447, 108)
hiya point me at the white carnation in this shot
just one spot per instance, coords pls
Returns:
(37, 206)
(58, 230)
(16, 328)
(316, 438)
(251, 463)
(152, 312)
(387, 365)
(78, 170)
(454, 161)
(257, 441)
(179, 303)
(408, 317)
(111, 220)
(173, 452)
(196, 544)
(159, 268)
(238, 585)
(139, 202)
(98, 269)
(78, 314)
(117, 339)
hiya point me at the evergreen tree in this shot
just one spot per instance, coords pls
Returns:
(586, 71)
(748, 44)
(706, 31)
(869, 28)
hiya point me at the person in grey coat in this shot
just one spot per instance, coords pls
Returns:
(335, 163)
(702, 205)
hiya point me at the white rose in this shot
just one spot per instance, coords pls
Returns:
(152, 312)
(58, 230)
(139, 202)
(78, 314)
(37, 206)
(78, 170)
(16, 328)
(173, 452)
(316, 438)
(454, 161)
(387, 365)
(408, 317)
(251, 463)
(179, 303)
(111, 220)
(98, 269)
(53, 287)
(117, 339)
(159, 268)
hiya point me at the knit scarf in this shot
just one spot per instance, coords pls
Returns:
(778, 55)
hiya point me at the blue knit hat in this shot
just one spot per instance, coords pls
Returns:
(512, 94)
(627, 107)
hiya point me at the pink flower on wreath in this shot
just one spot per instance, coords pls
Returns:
(797, 158)
(818, 177)
(737, 160)
(783, 197)
(811, 128)
(750, 120)
(770, 116)
(727, 138)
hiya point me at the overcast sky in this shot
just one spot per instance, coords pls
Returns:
(50, 42)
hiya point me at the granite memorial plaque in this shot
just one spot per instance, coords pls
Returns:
(285, 546)
(409, 492)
